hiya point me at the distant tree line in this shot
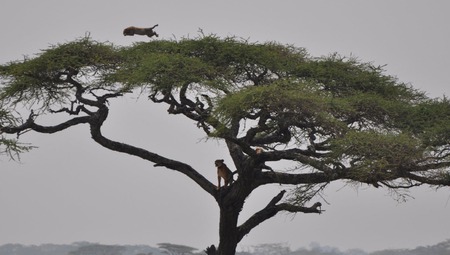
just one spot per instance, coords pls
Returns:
(85, 248)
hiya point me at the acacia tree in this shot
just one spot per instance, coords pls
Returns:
(333, 118)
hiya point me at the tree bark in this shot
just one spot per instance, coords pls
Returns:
(228, 232)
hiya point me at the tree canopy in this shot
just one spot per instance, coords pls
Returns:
(333, 117)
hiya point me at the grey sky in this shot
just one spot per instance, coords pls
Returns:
(71, 189)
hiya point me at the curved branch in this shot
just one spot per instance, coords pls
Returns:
(271, 210)
(79, 94)
(147, 155)
(71, 111)
(30, 124)
(431, 181)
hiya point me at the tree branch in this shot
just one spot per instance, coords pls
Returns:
(301, 178)
(30, 124)
(271, 210)
(315, 208)
(147, 155)
(431, 181)
(71, 111)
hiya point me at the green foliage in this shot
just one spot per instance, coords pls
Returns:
(42, 79)
(350, 111)
(284, 95)
(291, 103)
(429, 120)
(160, 65)
(12, 148)
(347, 76)
(377, 150)
(216, 63)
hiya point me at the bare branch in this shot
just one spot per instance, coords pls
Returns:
(71, 111)
(271, 210)
(315, 208)
(147, 155)
(266, 213)
(30, 124)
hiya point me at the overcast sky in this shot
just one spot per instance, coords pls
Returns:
(71, 189)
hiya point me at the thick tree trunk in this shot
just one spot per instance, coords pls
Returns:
(228, 235)
(231, 200)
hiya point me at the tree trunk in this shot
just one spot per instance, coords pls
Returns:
(231, 200)
(228, 235)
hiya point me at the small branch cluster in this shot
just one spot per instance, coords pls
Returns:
(198, 110)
